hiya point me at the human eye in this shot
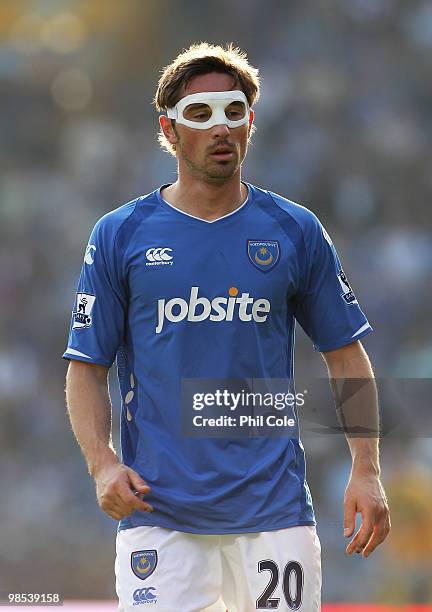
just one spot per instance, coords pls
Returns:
(235, 111)
(197, 112)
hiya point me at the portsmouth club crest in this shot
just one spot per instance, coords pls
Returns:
(264, 254)
(144, 562)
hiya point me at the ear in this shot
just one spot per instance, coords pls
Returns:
(167, 128)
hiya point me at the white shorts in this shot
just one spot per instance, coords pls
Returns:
(172, 571)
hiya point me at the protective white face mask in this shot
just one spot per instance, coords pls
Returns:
(202, 111)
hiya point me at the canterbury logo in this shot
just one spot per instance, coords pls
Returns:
(145, 595)
(221, 308)
(89, 254)
(159, 256)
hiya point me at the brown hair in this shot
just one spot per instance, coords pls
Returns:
(202, 58)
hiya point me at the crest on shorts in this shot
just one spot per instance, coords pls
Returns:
(264, 254)
(144, 562)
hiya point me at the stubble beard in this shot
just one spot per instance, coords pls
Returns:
(211, 170)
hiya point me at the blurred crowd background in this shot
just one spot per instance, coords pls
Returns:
(344, 127)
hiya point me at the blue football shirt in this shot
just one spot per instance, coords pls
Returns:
(170, 296)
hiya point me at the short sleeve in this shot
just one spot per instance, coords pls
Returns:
(99, 310)
(327, 308)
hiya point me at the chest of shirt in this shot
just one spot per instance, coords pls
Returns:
(239, 260)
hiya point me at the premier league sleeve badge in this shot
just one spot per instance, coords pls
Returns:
(82, 313)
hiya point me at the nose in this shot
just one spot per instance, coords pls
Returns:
(220, 131)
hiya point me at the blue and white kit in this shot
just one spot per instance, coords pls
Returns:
(170, 296)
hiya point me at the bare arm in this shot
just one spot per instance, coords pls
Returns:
(89, 408)
(347, 364)
(358, 405)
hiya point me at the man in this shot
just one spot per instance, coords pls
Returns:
(204, 279)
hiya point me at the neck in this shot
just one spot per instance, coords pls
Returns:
(204, 199)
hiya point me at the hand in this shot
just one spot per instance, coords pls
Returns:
(115, 486)
(365, 494)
